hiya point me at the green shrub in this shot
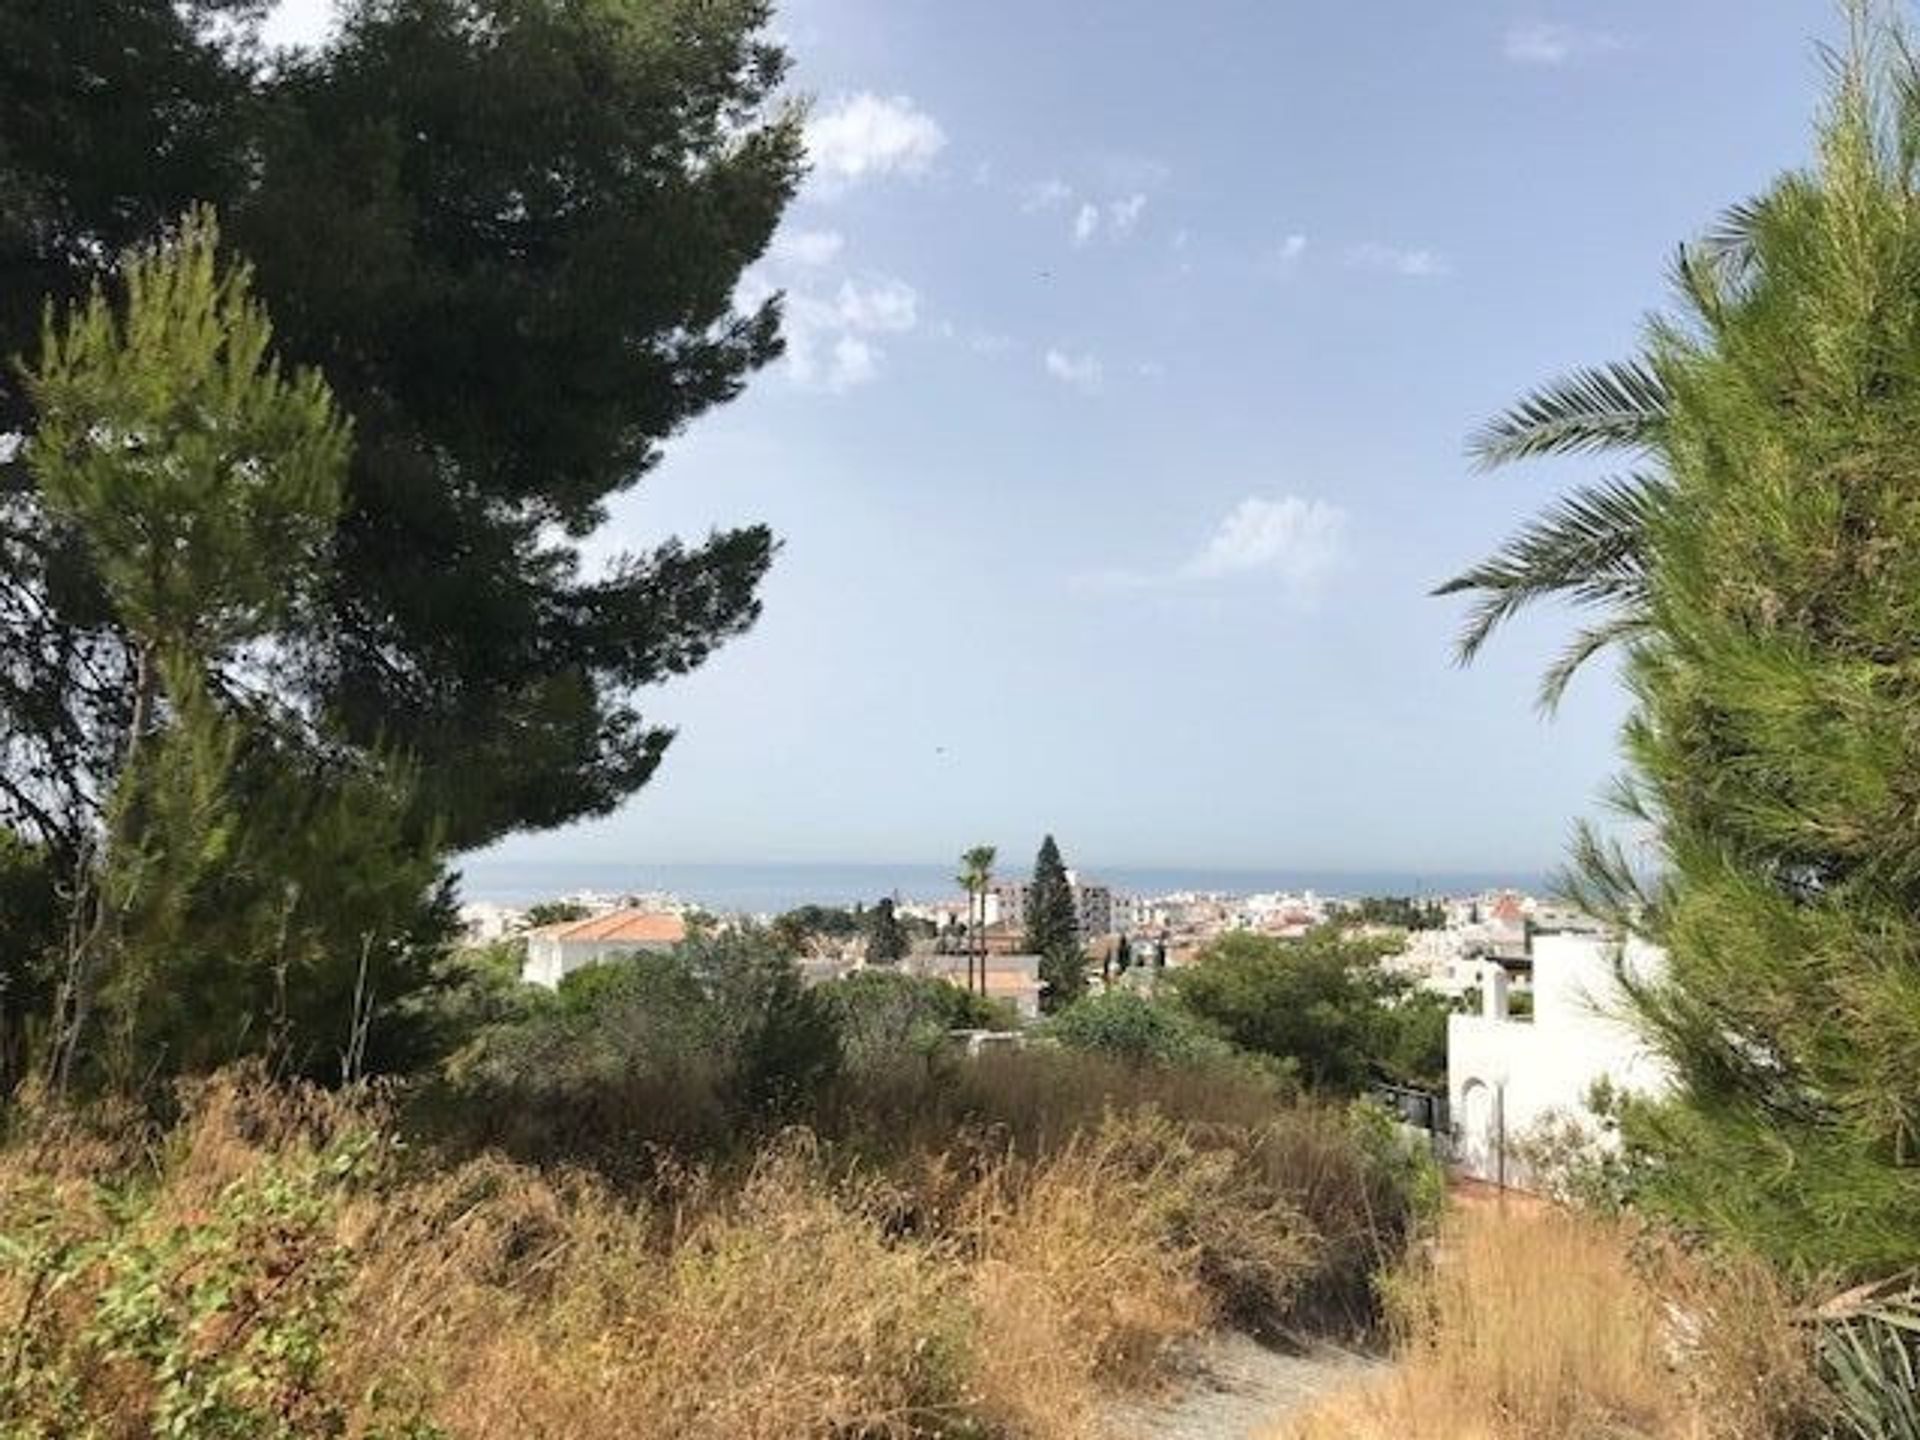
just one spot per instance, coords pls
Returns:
(213, 1322)
(885, 1015)
(1129, 1026)
(681, 1050)
(1319, 1003)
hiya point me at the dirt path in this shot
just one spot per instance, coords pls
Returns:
(1239, 1390)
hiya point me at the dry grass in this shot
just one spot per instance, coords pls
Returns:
(1557, 1326)
(987, 1288)
(1087, 1269)
(781, 1310)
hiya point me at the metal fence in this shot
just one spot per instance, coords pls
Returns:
(1422, 1109)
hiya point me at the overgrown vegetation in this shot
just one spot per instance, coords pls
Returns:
(278, 1264)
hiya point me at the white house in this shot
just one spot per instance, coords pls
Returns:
(556, 951)
(1506, 1075)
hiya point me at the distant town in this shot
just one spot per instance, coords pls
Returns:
(1447, 937)
(1528, 981)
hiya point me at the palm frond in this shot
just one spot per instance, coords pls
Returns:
(1616, 630)
(1590, 548)
(1703, 283)
(1606, 407)
(1731, 243)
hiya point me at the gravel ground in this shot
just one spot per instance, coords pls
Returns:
(1239, 1390)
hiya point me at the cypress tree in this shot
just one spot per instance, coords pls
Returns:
(886, 937)
(1053, 928)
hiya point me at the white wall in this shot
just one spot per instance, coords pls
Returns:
(550, 959)
(1505, 1076)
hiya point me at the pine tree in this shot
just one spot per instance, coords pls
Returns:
(1053, 928)
(510, 233)
(1775, 741)
(243, 883)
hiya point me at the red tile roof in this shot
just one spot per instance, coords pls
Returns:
(636, 927)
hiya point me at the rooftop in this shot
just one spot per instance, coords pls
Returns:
(637, 927)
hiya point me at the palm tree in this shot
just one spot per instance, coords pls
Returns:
(976, 878)
(1590, 547)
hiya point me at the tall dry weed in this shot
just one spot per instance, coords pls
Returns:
(1552, 1325)
(281, 1259)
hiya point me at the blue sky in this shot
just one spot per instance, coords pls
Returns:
(1134, 346)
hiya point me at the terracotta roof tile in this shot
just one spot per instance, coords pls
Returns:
(638, 927)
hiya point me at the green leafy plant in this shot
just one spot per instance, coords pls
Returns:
(216, 1320)
(1870, 1359)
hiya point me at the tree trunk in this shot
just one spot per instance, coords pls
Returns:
(84, 951)
(973, 932)
(981, 944)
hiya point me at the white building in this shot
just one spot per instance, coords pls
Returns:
(1506, 1076)
(1439, 961)
(556, 951)
(482, 921)
(1092, 905)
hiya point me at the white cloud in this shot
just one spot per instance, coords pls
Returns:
(1083, 372)
(1298, 541)
(1182, 238)
(1543, 42)
(1416, 264)
(1118, 218)
(829, 344)
(1045, 195)
(1123, 215)
(1291, 541)
(871, 135)
(855, 362)
(1292, 248)
(883, 304)
(812, 248)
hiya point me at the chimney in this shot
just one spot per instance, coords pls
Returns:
(1493, 990)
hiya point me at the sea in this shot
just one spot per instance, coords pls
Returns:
(745, 889)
